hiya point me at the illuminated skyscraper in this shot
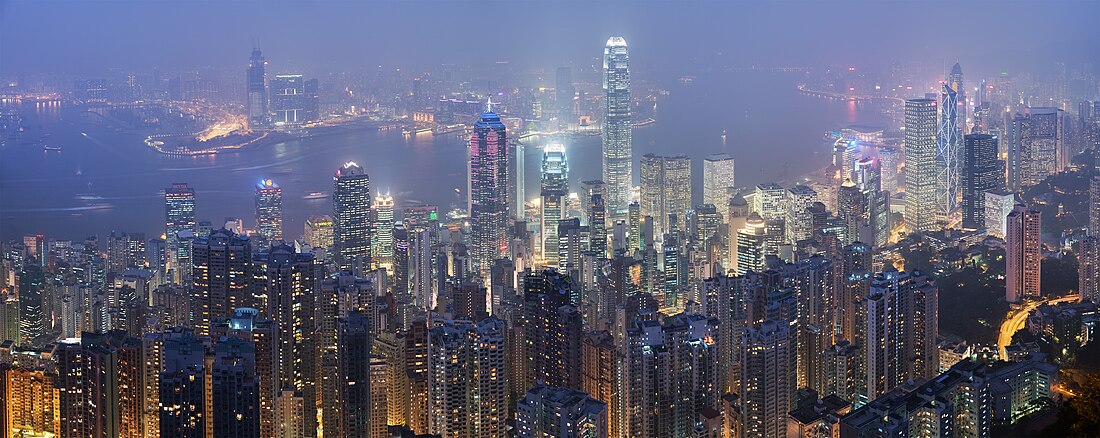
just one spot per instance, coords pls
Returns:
(900, 312)
(467, 394)
(1037, 146)
(718, 181)
(767, 382)
(351, 219)
(1094, 206)
(770, 201)
(555, 189)
(921, 168)
(948, 142)
(319, 232)
(383, 230)
(221, 272)
(553, 329)
(560, 412)
(978, 174)
(617, 125)
(269, 211)
(666, 190)
(257, 90)
(798, 219)
(293, 100)
(179, 202)
(488, 191)
(1023, 254)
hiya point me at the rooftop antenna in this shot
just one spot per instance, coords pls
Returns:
(489, 104)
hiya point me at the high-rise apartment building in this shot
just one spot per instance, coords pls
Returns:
(221, 272)
(900, 312)
(467, 393)
(1023, 254)
(560, 412)
(767, 382)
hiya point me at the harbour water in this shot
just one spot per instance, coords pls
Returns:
(106, 179)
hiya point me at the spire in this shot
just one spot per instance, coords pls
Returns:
(489, 104)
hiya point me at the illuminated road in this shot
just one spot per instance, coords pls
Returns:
(1016, 319)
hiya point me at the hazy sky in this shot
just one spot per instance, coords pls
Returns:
(89, 36)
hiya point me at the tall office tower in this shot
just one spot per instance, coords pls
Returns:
(235, 389)
(573, 242)
(597, 225)
(998, 204)
(354, 344)
(1023, 254)
(703, 223)
(420, 268)
(179, 203)
(1088, 269)
(588, 190)
(955, 81)
(669, 375)
(553, 329)
(901, 312)
(1094, 206)
(634, 223)
(618, 153)
(564, 93)
(868, 177)
(383, 230)
(401, 262)
(351, 219)
(488, 202)
(221, 270)
(319, 231)
(666, 190)
(88, 383)
(32, 295)
(257, 90)
(978, 174)
(770, 201)
(948, 142)
(293, 100)
(888, 164)
(269, 211)
(555, 189)
(921, 168)
(797, 219)
(560, 412)
(852, 210)
(1037, 147)
(518, 174)
(9, 318)
(718, 181)
(751, 244)
(767, 385)
(467, 393)
(183, 387)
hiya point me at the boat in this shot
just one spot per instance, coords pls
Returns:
(316, 195)
(48, 148)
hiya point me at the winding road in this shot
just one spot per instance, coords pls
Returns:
(1017, 318)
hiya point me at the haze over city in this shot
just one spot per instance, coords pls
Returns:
(543, 219)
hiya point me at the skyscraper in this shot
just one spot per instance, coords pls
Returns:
(666, 190)
(257, 90)
(718, 181)
(351, 218)
(618, 152)
(179, 203)
(948, 141)
(555, 189)
(1037, 146)
(293, 100)
(269, 211)
(798, 218)
(560, 412)
(553, 329)
(900, 312)
(1088, 270)
(978, 174)
(1094, 206)
(467, 394)
(767, 383)
(382, 250)
(488, 191)
(921, 168)
(1023, 254)
(221, 272)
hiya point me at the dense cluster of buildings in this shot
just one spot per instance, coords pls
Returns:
(613, 313)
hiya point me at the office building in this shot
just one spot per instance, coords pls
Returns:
(718, 180)
(948, 142)
(922, 171)
(257, 90)
(798, 220)
(998, 205)
(666, 191)
(1037, 147)
(618, 155)
(1023, 254)
(351, 219)
(382, 241)
(488, 194)
(554, 193)
(180, 224)
(560, 412)
(293, 100)
(978, 174)
(269, 212)
(319, 231)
